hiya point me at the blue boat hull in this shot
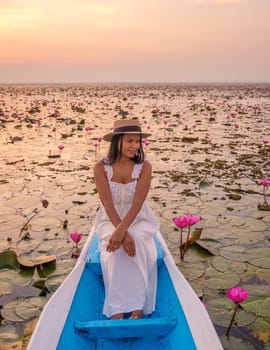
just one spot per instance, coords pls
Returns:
(73, 319)
(88, 303)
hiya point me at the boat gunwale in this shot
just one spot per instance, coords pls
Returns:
(200, 324)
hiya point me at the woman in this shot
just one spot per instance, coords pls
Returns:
(126, 225)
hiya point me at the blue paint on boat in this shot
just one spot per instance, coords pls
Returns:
(87, 306)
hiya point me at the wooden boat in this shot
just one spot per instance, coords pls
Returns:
(72, 319)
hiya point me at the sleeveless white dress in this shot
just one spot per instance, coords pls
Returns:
(130, 282)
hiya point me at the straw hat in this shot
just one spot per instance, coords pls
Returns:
(125, 126)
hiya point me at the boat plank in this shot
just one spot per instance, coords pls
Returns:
(127, 328)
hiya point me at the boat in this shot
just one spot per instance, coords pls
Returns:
(73, 320)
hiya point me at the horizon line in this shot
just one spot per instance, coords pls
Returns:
(141, 83)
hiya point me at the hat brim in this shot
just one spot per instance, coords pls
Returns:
(108, 137)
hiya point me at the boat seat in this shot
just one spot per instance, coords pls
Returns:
(93, 256)
(135, 328)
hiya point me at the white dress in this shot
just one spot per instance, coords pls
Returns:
(130, 282)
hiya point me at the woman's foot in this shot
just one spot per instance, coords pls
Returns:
(117, 317)
(136, 314)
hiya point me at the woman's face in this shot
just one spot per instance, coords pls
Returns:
(130, 145)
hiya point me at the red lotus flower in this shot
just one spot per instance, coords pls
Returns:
(182, 222)
(265, 182)
(76, 237)
(237, 295)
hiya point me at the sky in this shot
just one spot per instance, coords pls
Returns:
(92, 41)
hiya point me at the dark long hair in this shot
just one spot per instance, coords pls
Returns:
(115, 152)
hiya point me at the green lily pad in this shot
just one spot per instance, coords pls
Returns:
(203, 184)
(263, 262)
(23, 309)
(260, 305)
(8, 259)
(220, 264)
(8, 312)
(233, 252)
(209, 244)
(239, 266)
(221, 312)
(232, 343)
(8, 333)
(261, 329)
(192, 271)
(220, 280)
(27, 311)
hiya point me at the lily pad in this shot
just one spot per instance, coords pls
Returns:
(8, 259)
(260, 305)
(221, 311)
(232, 343)
(40, 260)
(220, 264)
(192, 271)
(209, 244)
(233, 252)
(261, 328)
(220, 280)
(203, 184)
(8, 333)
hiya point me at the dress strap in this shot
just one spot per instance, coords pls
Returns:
(136, 170)
(108, 169)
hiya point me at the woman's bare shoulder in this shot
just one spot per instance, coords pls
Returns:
(99, 166)
(146, 167)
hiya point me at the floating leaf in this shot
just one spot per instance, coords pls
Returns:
(195, 235)
(232, 343)
(192, 271)
(261, 328)
(203, 184)
(8, 333)
(220, 280)
(27, 311)
(260, 305)
(220, 264)
(41, 260)
(239, 266)
(209, 244)
(8, 259)
(233, 252)
(8, 312)
(221, 311)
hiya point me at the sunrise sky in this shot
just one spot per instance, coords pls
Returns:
(85, 41)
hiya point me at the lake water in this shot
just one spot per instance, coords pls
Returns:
(209, 148)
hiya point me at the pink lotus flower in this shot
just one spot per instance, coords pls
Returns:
(88, 128)
(61, 147)
(237, 295)
(76, 237)
(145, 142)
(265, 182)
(186, 220)
(182, 222)
(265, 142)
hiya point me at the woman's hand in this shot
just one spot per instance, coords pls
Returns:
(115, 240)
(129, 244)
